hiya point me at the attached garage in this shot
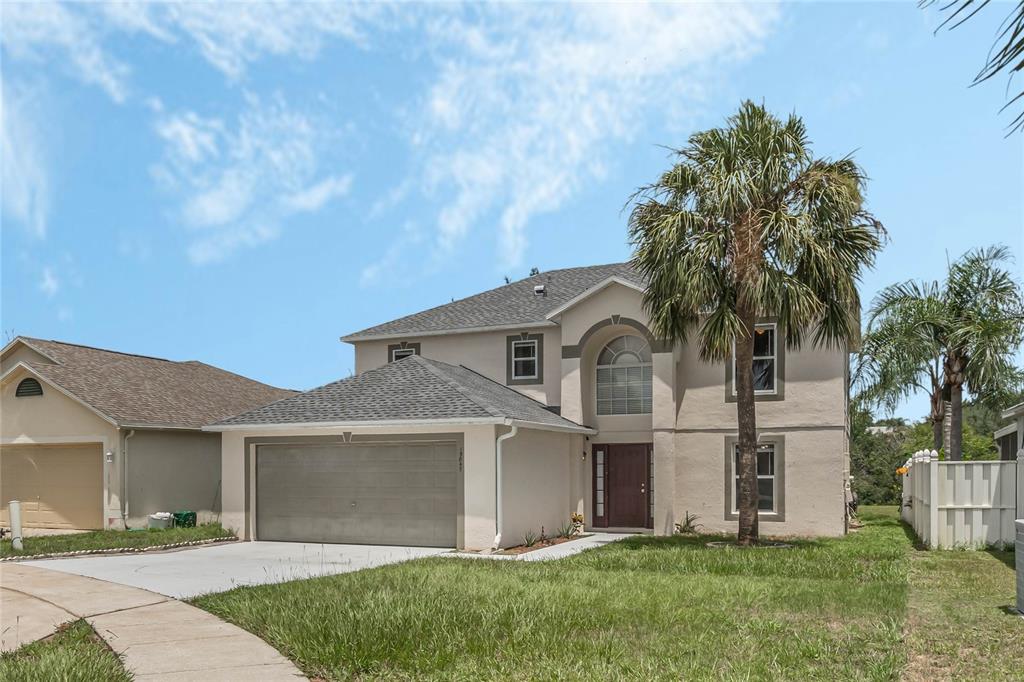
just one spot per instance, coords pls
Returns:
(59, 486)
(384, 493)
(414, 453)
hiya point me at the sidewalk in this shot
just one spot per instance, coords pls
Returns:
(560, 551)
(158, 638)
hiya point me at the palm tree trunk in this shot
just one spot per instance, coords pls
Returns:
(936, 416)
(746, 419)
(954, 452)
(947, 418)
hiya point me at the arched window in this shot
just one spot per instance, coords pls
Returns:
(624, 377)
(28, 387)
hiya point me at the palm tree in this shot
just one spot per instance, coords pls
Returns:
(901, 354)
(748, 223)
(976, 321)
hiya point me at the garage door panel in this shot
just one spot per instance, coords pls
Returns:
(58, 486)
(380, 494)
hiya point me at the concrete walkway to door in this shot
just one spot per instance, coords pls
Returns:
(156, 637)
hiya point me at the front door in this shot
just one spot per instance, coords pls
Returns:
(626, 491)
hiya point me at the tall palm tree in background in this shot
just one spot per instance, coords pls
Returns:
(901, 353)
(974, 320)
(747, 223)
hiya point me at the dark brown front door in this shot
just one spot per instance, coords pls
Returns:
(626, 491)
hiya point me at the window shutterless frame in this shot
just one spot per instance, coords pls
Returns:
(766, 350)
(773, 478)
(524, 360)
(766, 481)
(397, 351)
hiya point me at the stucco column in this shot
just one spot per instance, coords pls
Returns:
(478, 485)
(233, 480)
(572, 390)
(577, 472)
(663, 423)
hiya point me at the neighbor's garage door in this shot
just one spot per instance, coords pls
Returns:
(401, 494)
(59, 486)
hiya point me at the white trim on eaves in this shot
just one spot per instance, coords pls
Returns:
(60, 389)
(414, 334)
(600, 286)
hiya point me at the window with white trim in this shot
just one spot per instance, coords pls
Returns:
(765, 360)
(399, 353)
(524, 359)
(624, 377)
(766, 487)
(599, 479)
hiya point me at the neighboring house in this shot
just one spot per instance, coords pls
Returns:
(92, 438)
(636, 433)
(1010, 438)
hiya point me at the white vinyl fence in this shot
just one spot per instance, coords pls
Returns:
(963, 504)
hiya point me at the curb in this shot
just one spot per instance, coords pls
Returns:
(119, 550)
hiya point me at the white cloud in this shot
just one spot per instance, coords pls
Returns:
(230, 36)
(314, 198)
(23, 177)
(38, 30)
(529, 100)
(48, 283)
(238, 182)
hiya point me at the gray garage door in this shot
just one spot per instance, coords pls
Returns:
(401, 494)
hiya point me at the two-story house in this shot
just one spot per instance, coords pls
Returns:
(473, 422)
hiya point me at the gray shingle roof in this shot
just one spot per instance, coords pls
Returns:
(138, 390)
(512, 304)
(411, 389)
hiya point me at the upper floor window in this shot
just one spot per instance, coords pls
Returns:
(28, 387)
(402, 350)
(766, 373)
(400, 353)
(524, 359)
(624, 377)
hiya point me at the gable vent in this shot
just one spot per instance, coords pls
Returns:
(28, 387)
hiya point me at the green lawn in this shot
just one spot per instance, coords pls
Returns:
(111, 539)
(960, 625)
(666, 608)
(74, 653)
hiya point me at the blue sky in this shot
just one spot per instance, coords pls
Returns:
(244, 184)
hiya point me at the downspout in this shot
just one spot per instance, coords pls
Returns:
(124, 479)
(497, 483)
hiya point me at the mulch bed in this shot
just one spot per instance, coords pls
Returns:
(549, 542)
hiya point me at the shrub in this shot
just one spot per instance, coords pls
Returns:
(689, 525)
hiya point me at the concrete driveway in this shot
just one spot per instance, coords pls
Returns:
(188, 573)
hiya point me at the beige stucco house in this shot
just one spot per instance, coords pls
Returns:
(96, 439)
(473, 422)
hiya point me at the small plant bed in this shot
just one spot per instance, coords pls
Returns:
(73, 653)
(541, 544)
(114, 541)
